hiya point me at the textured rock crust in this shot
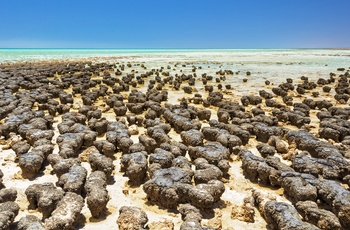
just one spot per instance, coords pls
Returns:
(131, 218)
(66, 213)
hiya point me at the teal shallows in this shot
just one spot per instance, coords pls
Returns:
(315, 57)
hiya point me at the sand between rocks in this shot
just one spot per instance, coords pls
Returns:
(237, 187)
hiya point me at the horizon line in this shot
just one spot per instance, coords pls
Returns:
(95, 48)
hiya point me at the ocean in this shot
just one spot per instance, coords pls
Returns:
(262, 56)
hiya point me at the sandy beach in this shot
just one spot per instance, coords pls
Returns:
(216, 142)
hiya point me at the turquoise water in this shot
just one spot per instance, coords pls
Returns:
(13, 55)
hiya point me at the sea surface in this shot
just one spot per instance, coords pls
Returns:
(263, 56)
(272, 64)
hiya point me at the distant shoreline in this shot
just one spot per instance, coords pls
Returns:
(204, 55)
(13, 48)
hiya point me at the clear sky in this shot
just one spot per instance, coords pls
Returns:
(174, 24)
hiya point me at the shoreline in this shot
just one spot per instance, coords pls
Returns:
(23, 55)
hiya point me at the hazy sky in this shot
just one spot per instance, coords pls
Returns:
(174, 24)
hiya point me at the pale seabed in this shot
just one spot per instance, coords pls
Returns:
(264, 64)
(262, 58)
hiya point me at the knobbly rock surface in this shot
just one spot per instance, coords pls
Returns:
(8, 211)
(321, 218)
(279, 215)
(135, 166)
(66, 213)
(30, 222)
(96, 193)
(44, 197)
(131, 218)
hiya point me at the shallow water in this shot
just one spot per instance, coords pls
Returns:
(232, 56)
(271, 64)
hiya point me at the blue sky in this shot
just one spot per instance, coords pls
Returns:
(174, 24)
